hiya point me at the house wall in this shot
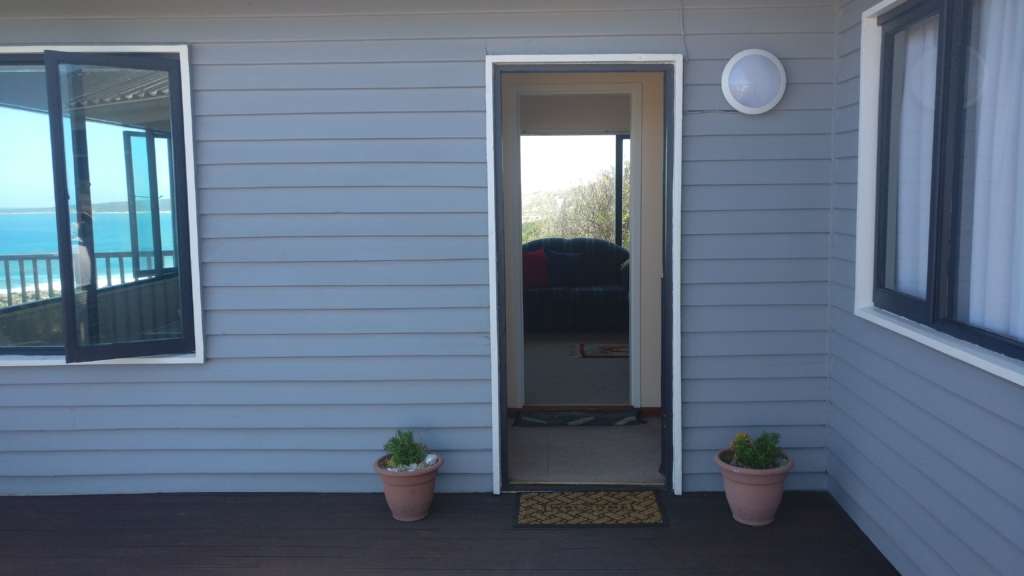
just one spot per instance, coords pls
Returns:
(342, 197)
(926, 453)
(755, 238)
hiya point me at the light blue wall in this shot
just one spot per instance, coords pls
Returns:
(755, 239)
(925, 453)
(342, 194)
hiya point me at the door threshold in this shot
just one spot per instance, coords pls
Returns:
(519, 487)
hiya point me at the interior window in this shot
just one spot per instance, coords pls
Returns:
(622, 191)
(149, 208)
(576, 186)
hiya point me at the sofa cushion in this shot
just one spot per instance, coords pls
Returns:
(601, 259)
(535, 269)
(573, 309)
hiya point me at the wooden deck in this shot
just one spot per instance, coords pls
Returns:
(333, 534)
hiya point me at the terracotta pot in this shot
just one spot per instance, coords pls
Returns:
(409, 494)
(753, 495)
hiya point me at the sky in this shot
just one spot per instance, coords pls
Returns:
(554, 163)
(26, 177)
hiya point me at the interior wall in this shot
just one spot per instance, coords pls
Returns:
(24, 90)
(649, 242)
(574, 114)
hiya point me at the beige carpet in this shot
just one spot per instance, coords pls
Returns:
(557, 375)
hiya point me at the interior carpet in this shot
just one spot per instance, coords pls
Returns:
(581, 418)
(590, 508)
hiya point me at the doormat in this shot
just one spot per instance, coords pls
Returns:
(597, 508)
(585, 350)
(573, 418)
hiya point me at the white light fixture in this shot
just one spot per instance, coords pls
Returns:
(754, 81)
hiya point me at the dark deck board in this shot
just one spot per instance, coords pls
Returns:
(352, 534)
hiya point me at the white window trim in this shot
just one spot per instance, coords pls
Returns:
(992, 362)
(199, 356)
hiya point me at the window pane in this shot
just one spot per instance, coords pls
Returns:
(990, 283)
(113, 118)
(568, 187)
(166, 222)
(30, 306)
(140, 202)
(912, 123)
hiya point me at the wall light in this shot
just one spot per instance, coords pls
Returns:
(754, 81)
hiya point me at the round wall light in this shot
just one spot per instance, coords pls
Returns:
(754, 81)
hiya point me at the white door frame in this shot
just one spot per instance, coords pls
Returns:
(676, 61)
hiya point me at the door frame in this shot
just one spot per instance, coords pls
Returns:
(494, 65)
(634, 90)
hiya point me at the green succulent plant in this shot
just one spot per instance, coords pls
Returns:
(403, 450)
(761, 453)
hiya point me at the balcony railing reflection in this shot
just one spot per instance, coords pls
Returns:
(27, 278)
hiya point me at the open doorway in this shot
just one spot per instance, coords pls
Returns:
(583, 195)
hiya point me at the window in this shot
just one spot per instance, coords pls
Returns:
(949, 204)
(95, 249)
(575, 186)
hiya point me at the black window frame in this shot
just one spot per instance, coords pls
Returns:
(33, 60)
(938, 309)
(73, 351)
(620, 141)
(150, 137)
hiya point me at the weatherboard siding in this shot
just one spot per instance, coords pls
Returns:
(925, 452)
(755, 239)
(341, 177)
(340, 160)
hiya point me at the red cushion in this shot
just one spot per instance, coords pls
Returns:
(535, 269)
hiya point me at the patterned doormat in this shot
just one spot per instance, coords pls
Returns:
(578, 418)
(585, 350)
(597, 508)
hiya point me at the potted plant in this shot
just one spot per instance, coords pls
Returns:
(408, 472)
(753, 472)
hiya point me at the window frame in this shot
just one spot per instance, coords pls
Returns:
(29, 351)
(150, 137)
(620, 142)
(189, 349)
(933, 321)
(893, 300)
